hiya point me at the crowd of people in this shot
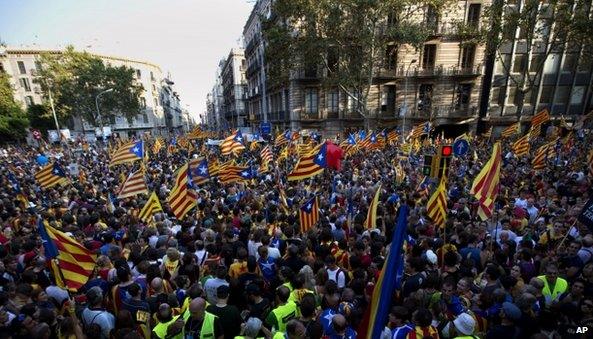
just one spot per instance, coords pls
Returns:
(239, 265)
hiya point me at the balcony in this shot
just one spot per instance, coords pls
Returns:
(453, 111)
(441, 29)
(254, 67)
(439, 70)
(251, 45)
(307, 74)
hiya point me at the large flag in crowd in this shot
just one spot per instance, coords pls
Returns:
(182, 197)
(152, 206)
(309, 214)
(521, 146)
(129, 152)
(486, 185)
(511, 130)
(437, 204)
(232, 144)
(133, 185)
(51, 175)
(75, 263)
(540, 117)
(389, 279)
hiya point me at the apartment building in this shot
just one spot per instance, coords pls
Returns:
(234, 85)
(564, 85)
(22, 64)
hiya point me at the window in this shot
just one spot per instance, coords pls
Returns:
(561, 95)
(142, 102)
(520, 63)
(429, 56)
(463, 96)
(145, 118)
(495, 95)
(432, 17)
(388, 99)
(311, 100)
(569, 63)
(156, 102)
(467, 56)
(22, 69)
(138, 74)
(38, 66)
(547, 94)
(473, 15)
(390, 54)
(29, 100)
(512, 95)
(502, 94)
(503, 63)
(332, 60)
(576, 98)
(425, 97)
(25, 84)
(333, 101)
(536, 62)
(551, 64)
(153, 87)
(529, 97)
(151, 76)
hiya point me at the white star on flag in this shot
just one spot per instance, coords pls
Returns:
(203, 170)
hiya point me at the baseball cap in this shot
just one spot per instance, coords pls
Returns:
(465, 323)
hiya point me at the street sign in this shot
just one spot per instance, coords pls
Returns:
(36, 134)
(265, 127)
(460, 147)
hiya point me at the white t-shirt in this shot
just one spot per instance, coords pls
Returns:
(338, 276)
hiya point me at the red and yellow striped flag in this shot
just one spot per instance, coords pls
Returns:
(521, 146)
(511, 130)
(309, 214)
(182, 197)
(486, 185)
(152, 206)
(51, 175)
(436, 207)
(133, 185)
(305, 168)
(541, 117)
(534, 132)
(542, 154)
(371, 221)
(75, 262)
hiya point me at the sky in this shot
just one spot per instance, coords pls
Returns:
(184, 37)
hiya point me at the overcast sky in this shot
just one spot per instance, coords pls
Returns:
(184, 37)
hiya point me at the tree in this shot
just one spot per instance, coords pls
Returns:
(542, 29)
(13, 122)
(76, 78)
(347, 42)
(41, 118)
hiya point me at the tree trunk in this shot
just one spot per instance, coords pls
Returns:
(520, 100)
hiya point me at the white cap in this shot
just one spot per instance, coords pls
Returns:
(465, 324)
(431, 257)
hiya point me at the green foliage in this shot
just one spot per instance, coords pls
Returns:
(76, 78)
(13, 122)
(344, 41)
(41, 118)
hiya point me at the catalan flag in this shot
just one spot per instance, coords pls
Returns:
(184, 143)
(521, 146)
(389, 280)
(309, 214)
(133, 185)
(392, 137)
(230, 173)
(436, 207)
(542, 154)
(182, 197)
(282, 198)
(129, 152)
(51, 175)
(158, 144)
(283, 138)
(200, 173)
(306, 167)
(540, 117)
(213, 168)
(487, 184)
(232, 144)
(196, 133)
(349, 144)
(172, 145)
(534, 132)
(75, 262)
(371, 221)
(152, 206)
(266, 155)
(420, 130)
(511, 130)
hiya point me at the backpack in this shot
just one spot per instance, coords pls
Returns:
(346, 276)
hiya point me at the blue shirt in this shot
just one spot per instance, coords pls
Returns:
(401, 332)
(267, 267)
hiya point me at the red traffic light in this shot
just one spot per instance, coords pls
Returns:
(446, 151)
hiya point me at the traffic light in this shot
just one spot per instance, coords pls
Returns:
(446, 151)
(427, 168)
(445, 164)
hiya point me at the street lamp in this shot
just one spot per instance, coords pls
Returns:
(99, 112)
(406, 98)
